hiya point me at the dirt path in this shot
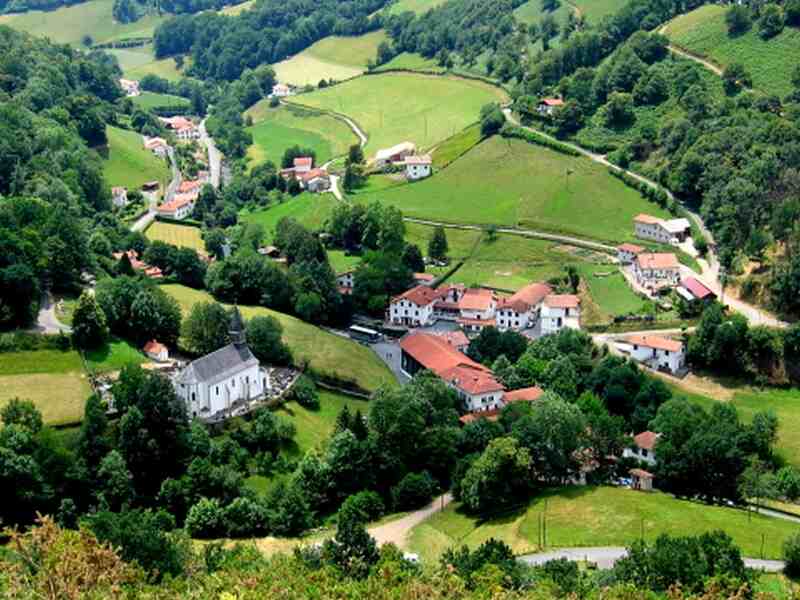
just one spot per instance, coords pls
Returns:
(396, 532)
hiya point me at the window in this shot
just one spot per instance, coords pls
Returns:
(644, 452)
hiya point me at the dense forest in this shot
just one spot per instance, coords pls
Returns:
(222, 47)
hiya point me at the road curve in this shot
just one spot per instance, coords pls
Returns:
(396, 532)
(46, 321)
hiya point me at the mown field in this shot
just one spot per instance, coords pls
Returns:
(127, 163)
(237, 8)
(415, 6)
(609, 294)
(309, 210)
(69, 24)
(325, 352)
(513, 183)
(53, 380)
(138, 62)
(599, 516)
(769, 62)
(113, 356)
(412, 62)
(276, 129)
(334, 57)
(150, 100)
(398, 107)
(183, 236)
(593, 10)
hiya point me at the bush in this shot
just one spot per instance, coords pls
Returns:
(305, 392)
(244, 518)
(737, 19)
(414, 491)
(367, 505)
(205, 519)
(510, 131)
(771, 22)
(791, 554)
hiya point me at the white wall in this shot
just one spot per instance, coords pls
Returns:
(653, 232)
(219, 395)
(405, 312)
(647, 456)
(660, 358)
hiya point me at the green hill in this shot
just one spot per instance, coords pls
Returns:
(150, 100)
(128, 163)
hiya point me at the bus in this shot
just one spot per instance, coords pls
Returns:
(363, 334)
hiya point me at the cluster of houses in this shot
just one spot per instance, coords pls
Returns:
(182, 203)
(183, 128)
(139, 265)
(672, 231)
(311, 179)
(404, 155)
(130, 87)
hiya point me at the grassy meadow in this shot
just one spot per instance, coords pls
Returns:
(113, 356)
(769, 62)
(138, 62)
(415, 6)
(598, 516)
(609, 294)
(412, 62)
(513, 183)
(456, 146)
(126, 162)
(383, 106)
(325, 352)
(183, 236)
(149, 100)
(333, 57)
(310, 210)
(237, 9)
(276, 129)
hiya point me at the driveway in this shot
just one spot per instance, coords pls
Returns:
(47, 321)
(214, 156)
(396, 532)
(389, 352)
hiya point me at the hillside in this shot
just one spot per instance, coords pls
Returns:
(310, 210)
(415, 6)
(769, 62)
(127, 163)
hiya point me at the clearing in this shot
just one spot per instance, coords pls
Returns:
(183, 236)
(149, 100)
(113, 356)
(54, 380)
(387, 110)
(415, 6)
(276, 129)
(141, 61)
(126, 162)
(411, 62)
(326, 353)
(333, 57)
(770, 62)
(236, 9)
(598, 516)
(310, 210)
(509, 182)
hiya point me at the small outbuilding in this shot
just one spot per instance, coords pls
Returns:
(156, 350)
(641, 480)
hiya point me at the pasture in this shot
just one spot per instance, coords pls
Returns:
(333, 57)
(770, 62)
(385, 108)
(598, 516)
(126, 162)
(326, 353)
(277, 129)
(183, 236)
(610, 294)
(113, 356)
(236, 9)
(512, 183)
(138, 62)
(412, 62)
(415, 6)
(310, 210)
(70, 24)
(53, 380)
(150, 100)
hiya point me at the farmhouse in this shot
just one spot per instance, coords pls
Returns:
(138, 265)
(477, 309)
(119, 197)
(281, 90)
(521, 310)
(652, 228)
(156, 350)
(559, 311)
(180, 207)
(216, 385)
(183, 128)
(643, 447)
(641, 480)
(190, 186)
(424, 278)
(657, 352)
(395, 154)
(627, 253)
(656, 270)
(693, 289)
(345, 281)
(315, 180)
(417, 167)
(130, 87)
(547, 106)
(414, 307)
(156, 145)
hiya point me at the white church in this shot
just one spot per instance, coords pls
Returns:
(223, 383)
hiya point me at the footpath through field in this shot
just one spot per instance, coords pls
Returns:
(396, 532)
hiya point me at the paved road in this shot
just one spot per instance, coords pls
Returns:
(605, 557)
(214, 155)
(47, 321)
(396, 532)
(144, 221)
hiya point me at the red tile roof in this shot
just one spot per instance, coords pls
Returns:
(633, 248)
(154, 347)
(424, 277)
(659, 260)
(646, 440)
(646, 219)
(527, 297)
(435, 354)
(562, 301)
(303, 161)
(655, 341)
(471, 380)
(421, 295)
(178, 200)
(528, 394)
(423, 159)
(188, 186)
(553, 101)
(697, 288)
(313, 174)
(457, 339)
(641, 473)
(476, 299)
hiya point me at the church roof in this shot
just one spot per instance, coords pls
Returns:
(223, 362)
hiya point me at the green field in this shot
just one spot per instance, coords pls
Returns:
(310, 210)
(69, 24)
(183, 236)
(610, 294)
(340, 262)
(325, 352)
(138, 62)
(333, 57)
(513, 183)
(53, 380)
(412, 62)
(599, 516)
(149, 100)
(127, 163)
(398, 107)
(456, 146)
(415, 6)
(113, 356)
(769, 62)
(236, 9)
(276, 129)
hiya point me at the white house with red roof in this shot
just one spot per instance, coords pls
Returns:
(156, 145)
(672, 231)
(130, 87)
(547, 106)
(559, 311)
(183, 128)
(418, 167)
(627, 253)
(521, 310)
(643, 447)
(190, 186)
(693, 289)
(414, 308)
(281, 90)
(119, 196)
(396, 154)
(477, 308)
(314, 180)
(180, 207)
(655, 270)
(156, 350)
(657, 352)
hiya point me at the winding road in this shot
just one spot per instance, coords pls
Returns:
(396, 532)
(144, 221)
(47, 321)
(214, 156)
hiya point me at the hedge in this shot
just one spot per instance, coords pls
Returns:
(530, 136)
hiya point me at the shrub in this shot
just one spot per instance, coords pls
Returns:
(367, 504)
(738, 19)
(205, 519)
(791, 554)
(305, 392)
(244, 517)
(771, 22)
(414, 491)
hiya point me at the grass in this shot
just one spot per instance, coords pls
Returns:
(610, 294)
(149, 100)
(276, 129)
(340, 262)
(397, 107)
(128, 163)
(53, 380)
(513, 183)
(183, 236)
(599, 516)
(595, 10)
(411, 62)
(138, 62)
(236, 9)
(69, 24)
(310, 210)
(456, 146)
(333, 57)
(415, 6)
(113, 356)
(770, 62)
(325, 352)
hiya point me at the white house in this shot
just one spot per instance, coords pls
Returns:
(477, 309)
(398, 153)
(652, 228)
(414, 307)
(657, 352)
(281, 90)
(156, 145)
(559, 311)
(130, 87)
(477, 387)
(315, 180)
(657, 270)
(417, 167)
(119, 196)
(627, 253)
(643, 447)
(180, 207)
(183, 128)
(345, 281)
(547, 106)
(156, 350)
(216, 385)
(521, 310)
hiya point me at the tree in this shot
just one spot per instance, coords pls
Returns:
(412, 258)
(352, 550)
(735, 77)
(115, 488)
(499, 477)
(568, 118)
(791, 11)
(305, 392)
(737, 18)
(92, 442)
(791, 555)
(23, 413)
(492, 119)
(548, 29)
(414, 491)
(264, 340)
(437, 246)
(89, 327)
(619, 110)
(207, 328)
(771, 22)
